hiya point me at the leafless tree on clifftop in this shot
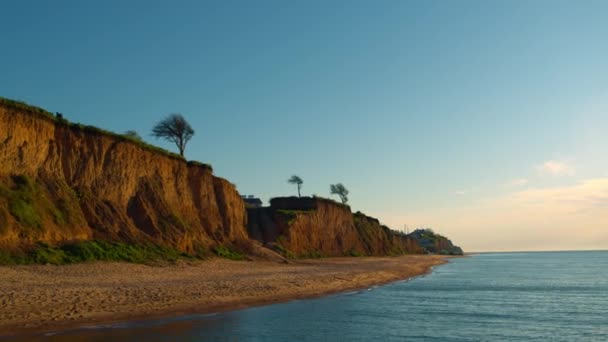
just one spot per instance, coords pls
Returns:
(176, 129)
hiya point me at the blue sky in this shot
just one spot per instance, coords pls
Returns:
(430, 112)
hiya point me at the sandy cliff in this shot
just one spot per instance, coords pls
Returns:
(380, 240)
(311, 227)
(61, 182)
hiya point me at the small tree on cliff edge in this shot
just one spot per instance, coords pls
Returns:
(297, 181)
(176, 129)
(133, 135)
(340, 190)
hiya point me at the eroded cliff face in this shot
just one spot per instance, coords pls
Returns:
(311, 227)
(61, 183)
(380, 240)
(315, 228)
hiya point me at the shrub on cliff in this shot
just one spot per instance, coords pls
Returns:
(133, 135)
(228, 253)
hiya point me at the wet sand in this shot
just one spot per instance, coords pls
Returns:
(47, 298)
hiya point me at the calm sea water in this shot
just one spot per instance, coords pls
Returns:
(553, 296)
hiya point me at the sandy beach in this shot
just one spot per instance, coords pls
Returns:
(46, 298)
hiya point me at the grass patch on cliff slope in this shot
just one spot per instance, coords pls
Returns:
(96, 250)
(289, 216)
(6, 258)
(29, 204)
(118, 251)
(3, 221)
(280, 248)
(228, 253)
(21, 201)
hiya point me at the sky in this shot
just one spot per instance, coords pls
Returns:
(484, 120)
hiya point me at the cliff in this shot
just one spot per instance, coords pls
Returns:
(62, 182)
(313, 227)
(381, 240)
(432, 242)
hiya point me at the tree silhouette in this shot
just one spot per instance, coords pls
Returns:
(340, 190)
(176, 129)
(297, 181)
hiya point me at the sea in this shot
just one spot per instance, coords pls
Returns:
(532, 296)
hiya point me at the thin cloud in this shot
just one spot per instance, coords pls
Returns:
(517, 182)
(588, 194)
(564, 217)
(556, 168)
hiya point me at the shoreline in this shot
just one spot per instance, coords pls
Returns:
(45, 299)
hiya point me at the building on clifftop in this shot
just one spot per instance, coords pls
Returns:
(252, 201)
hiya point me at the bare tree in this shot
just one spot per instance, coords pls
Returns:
(297, 181)
(176, 129)
(340, 190)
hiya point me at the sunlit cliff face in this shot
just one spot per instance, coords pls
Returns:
(84, 185)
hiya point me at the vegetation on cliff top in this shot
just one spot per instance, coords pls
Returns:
(303, 203)
(44, 114)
